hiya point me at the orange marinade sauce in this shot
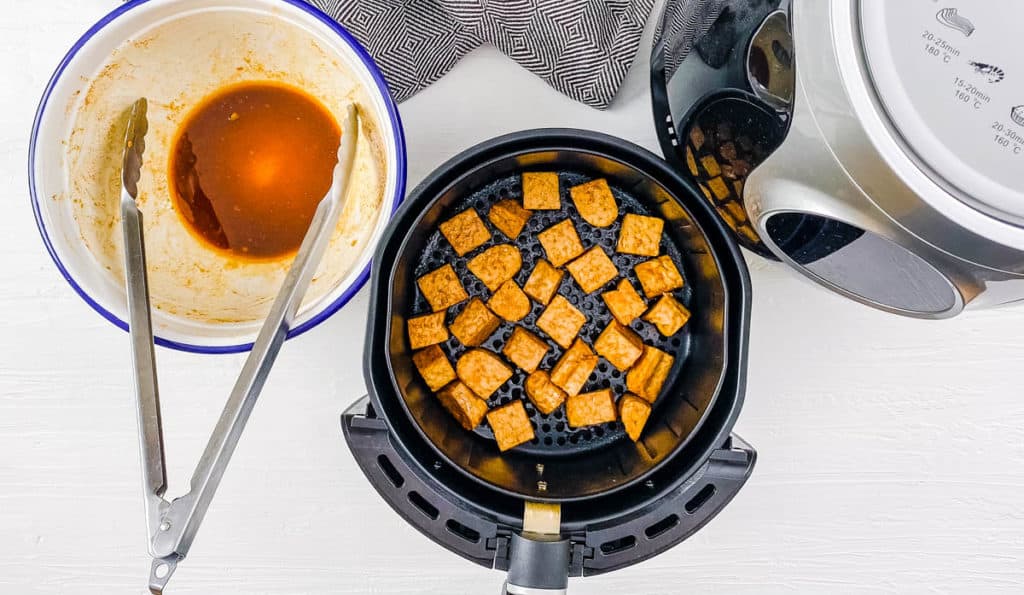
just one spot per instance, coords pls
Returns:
(249, 166)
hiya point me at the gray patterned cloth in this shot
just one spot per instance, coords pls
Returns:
(583, 48)
(681, 23)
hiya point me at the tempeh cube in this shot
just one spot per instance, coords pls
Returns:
(465, 232)
(640, 235)
(509, 217)
(543, 393)
(649, 373)
(719, 188)
(697, 137)
(543, 282)
(467, 408)
(691, 162)
(658, 276)
(619, 345)
(510, 302)
(434, 367)
(561, 321)
(561, 242)
(442, 288)
(668, 315)
(525, 349)
(511, 425)
(426, 330)
(624, 302)
(595, 202)
(590, 409)
(482, 371)
(727, 151)
(496, 265)
(475, 323)
(634, 411)
(540, 192)
(593, 270)
(574, 368)
(711, 166)
(737, 211)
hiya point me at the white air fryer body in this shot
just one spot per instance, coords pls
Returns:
(907, 126)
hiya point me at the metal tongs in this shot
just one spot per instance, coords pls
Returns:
(173, 525)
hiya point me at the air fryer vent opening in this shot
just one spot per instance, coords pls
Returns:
(618, 545)
(390, 472)
(701, 498)
(862, 264)
(425, 507)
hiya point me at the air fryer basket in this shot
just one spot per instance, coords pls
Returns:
(621, 502)
(576, 463)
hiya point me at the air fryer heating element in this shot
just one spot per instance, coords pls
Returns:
(621, 502)
(553, 436)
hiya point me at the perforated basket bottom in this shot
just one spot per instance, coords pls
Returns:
(553, 436)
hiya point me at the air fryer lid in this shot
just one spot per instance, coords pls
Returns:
(561, 463)
(954, 93)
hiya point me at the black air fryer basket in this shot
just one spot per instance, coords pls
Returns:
(621, 502)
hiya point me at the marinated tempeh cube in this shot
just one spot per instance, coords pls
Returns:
(711, 166)
(590, 409)
(561, 243)
(624, 302)
(593, 270)
(434, 367)
(510, 302)
(640, 235)
(697, 137)
(543, 393)
(511, 425)
(649, 373)
(619, 345)
(442, 288)
(540, 192)
(737, 211)
(574, 368)
(467, 408)
(465, 232)
(727, 151)
(749, 233)
(658, 276)
(634, 411)
(426, 330)
(475, 323)
(496, 265)
(691, 162)
(543, 282)
(509, 217)
(668, 315)
(561, 321)
(719, 188)
(525, 349)
(482, 371)
(595, 202)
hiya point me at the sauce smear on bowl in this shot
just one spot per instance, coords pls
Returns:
(249, 166)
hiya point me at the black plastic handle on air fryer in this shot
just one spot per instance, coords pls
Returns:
(492, 540)
(538, 565)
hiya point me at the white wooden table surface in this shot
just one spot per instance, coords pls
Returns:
(891, 451)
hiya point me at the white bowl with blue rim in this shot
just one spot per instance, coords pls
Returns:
(175, 52)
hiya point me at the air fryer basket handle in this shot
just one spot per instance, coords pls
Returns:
(538, 565)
